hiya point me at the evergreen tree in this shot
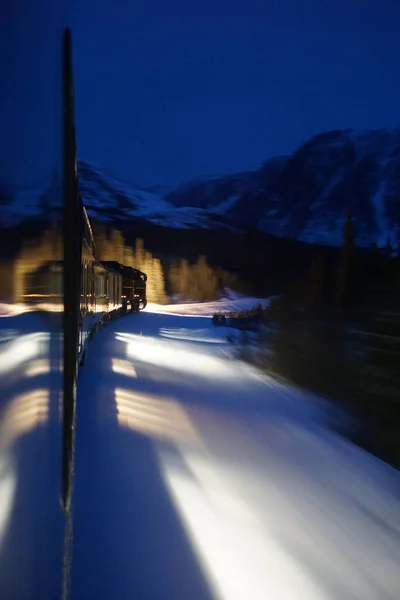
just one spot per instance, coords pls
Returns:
(388, 249)
(317, 282)
(346, 271)
(103, 250)
(147, 267)
(184, 282)
(204, 281)
(129, 259)
(374, 249)
(174, 280)
(139, 255)
(144, 261)
(160, 295)
(117, 246)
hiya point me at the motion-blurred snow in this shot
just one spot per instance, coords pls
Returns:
(274, 503)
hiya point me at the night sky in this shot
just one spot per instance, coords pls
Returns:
(168, 91)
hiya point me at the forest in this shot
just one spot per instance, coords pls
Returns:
(176, 279)
(336, 331)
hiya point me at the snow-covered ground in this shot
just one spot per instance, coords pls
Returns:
(31, 519)
(199, 477)
(230, 302)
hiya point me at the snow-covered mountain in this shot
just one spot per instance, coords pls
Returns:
(302, 196)
(305, 195)
(109, 199)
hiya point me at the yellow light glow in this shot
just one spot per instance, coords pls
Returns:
(24, 412)
(177, 356)
(154, 416)
(191, 335)
(239, 556)
(7, 491)
(123, 367)
(22, 349)
(38, 367)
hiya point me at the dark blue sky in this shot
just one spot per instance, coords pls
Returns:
(30, 99)
(167, 91)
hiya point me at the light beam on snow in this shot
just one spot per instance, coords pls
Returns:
(22, 349)
(191, 335)
(24, 412)
(179, 357)
(238, 554)
(12, 310)
(154, 416)
(7, 492)
(283, 514)
(123, 367)
(38, 367)
(239, 560)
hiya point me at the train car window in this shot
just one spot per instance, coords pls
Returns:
(92, 281)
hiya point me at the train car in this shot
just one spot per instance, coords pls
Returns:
(133, 285)
(107, 289)
(100, 297)
(95, 304)
(42, 288)
(140, 279)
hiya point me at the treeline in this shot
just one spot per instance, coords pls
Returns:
(337, 332)
(199, 281)
(111, 245)
(176, 279)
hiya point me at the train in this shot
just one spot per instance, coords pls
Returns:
(108, 289)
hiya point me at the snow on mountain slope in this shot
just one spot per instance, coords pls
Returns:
(24, 203)
(305, 195)
(225, 205)
(110, 199)
(209, 191)
(101, 191)
(302, 196)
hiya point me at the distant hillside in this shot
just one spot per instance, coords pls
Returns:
(303, 196)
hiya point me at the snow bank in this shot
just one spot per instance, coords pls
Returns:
(273, 503)
(231, 301)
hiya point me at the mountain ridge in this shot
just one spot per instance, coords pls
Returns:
(302, 196)
(305, 195)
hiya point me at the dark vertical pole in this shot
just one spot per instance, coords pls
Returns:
(72, 268)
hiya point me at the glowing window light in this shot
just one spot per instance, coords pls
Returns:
(191, 335)
(154, 416)
(22, 349)
(38, 367)
(24, 412)
(123, 367)
(7, 491)
(177, 356)
(239, 557)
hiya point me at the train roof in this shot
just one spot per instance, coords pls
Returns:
(58, 265)
(48, 264)
(120, 268)
(110, 269)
